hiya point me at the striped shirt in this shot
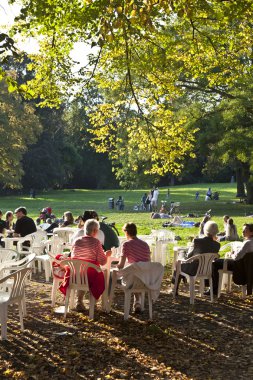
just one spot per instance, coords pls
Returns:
(135, 250)
(88, 248)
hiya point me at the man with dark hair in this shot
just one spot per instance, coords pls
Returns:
(111, 239)
(247, 246)
(24, 225)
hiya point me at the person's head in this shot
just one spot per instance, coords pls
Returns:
(91, 227)
(230, 221)
(130, 229)
(94, 214)
(211, 229)
(68, 217)
(89, 214)
(1, 214)
(20, 212)
(9, 216)
(247, 230)
(225, 218)
(38, 220)
(49, 220)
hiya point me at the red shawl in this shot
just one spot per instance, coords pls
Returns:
(96, 280)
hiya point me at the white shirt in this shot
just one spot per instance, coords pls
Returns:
(100, 236)
(247, 246)
(155, 195)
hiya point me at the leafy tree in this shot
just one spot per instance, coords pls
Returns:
(149, 54)
(94, 170)
(19, 127)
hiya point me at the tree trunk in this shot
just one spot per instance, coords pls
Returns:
(239, 182)
(249, 187)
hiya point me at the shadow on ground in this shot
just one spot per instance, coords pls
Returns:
(203, 341)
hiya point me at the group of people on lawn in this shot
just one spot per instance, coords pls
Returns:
(93, 242)
(209, 243)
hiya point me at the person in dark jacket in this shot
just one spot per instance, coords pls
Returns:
(247, 246)
(24, 225)
(207, 244)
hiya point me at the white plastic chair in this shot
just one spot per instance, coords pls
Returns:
(9, 266)
(204, 272)
(79, 281)
(12, 266)
(36, 240)
(135, 285)
(227, 284)
(55, 246)
(16, 295)
(64, 233)
(7, 255)
(56, 280)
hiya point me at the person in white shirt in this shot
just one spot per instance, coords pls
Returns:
(154, 200)
(247, 246)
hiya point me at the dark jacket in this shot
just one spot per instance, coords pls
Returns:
(200, 245)
(243, 272)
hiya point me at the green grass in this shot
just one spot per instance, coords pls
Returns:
(79, 200)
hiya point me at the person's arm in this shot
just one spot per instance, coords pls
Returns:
(123, 257)
(101, 255)
(240, 253)
(191, 252)
(122, 262)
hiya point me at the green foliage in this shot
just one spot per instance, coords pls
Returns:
(19, 127)
(149, 56)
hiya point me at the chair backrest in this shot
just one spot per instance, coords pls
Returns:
(205, 263)
(64, 233)
(55, 245)
(7, 255)
(23, 263)
(17, 289)
(78, 271)
(8, 266)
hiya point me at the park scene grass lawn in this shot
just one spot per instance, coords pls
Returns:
(78, 200)
(183, 341)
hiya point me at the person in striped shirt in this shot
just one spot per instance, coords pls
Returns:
(89, 248)
(133, 250)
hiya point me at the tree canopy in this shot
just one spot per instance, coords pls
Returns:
(19, 127)
(148, 57)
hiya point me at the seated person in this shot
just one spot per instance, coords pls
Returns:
(246, 247)
(88, 214)
(2, 228)
(24, 225)
(111, 239)
(2, 223)
(206, 244)
(89, 248)
(230, 231)
(225, 219)
(202, 224)
(120, 203)
(9, 220)
(133, 250)
(68, 219)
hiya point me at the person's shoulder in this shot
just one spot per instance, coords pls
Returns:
(79, 240)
